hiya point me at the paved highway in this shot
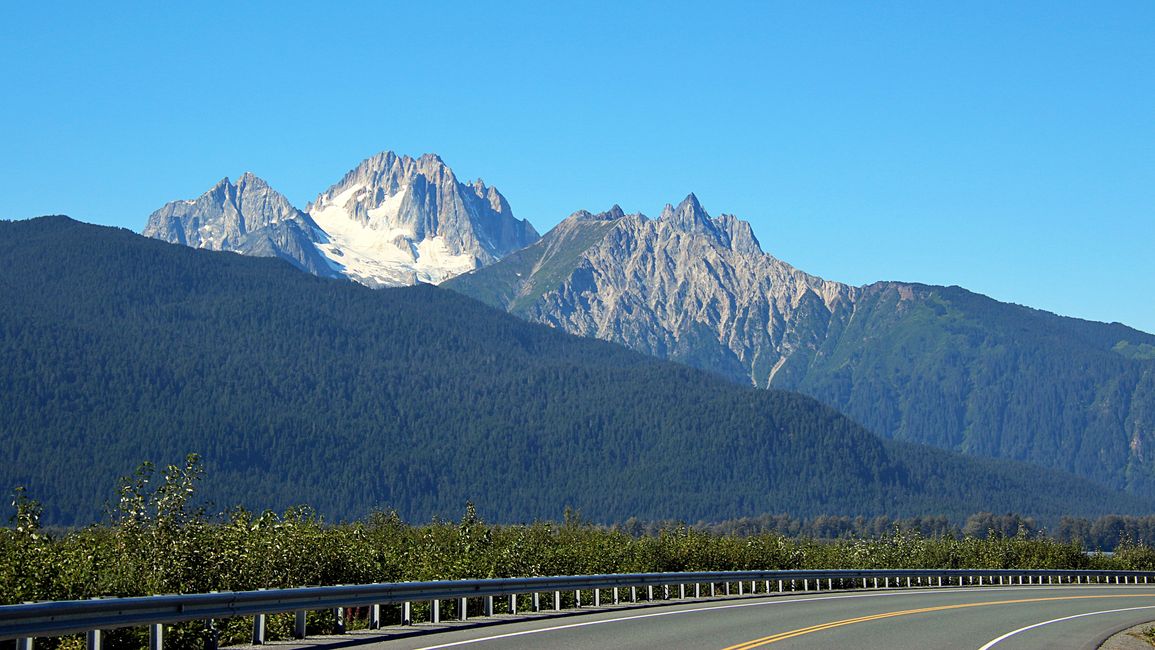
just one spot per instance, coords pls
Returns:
(997, 618)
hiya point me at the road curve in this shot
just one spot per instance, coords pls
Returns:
(987, 618)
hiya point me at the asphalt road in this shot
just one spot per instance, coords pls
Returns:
(1002, 618)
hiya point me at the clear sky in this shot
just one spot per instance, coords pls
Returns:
(1008, 147)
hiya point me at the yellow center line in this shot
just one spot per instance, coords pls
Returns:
(782, 636)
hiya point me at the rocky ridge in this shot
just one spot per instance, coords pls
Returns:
(395, 220)
(247, 217)
(935, 365)
(685, 286)
(391, 221)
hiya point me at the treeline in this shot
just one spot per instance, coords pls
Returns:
(1104, 533)
(156, 541)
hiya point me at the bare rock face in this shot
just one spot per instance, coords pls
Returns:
(935, 365)
(249, 217)
(685, 286)
(392, 221)
(396, 220)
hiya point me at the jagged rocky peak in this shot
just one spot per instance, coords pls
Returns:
(224, 215)
(392, 220)
(248, 217)
(396, 220)
(740, 234)
(684, 286)
(613, 214)
(688, 216)
(496, 201)
(726, 230)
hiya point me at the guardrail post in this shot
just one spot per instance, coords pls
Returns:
(212, 635)
(779, 586)
(697, 590)
(513, 603)
(577, 598)
(806, 584)
(616, 601)
(156, 636)
(681, 591)
(259, 629)
(93, 640)
(830, 584)
(741, 587)
(940, 581)
(339, 613)
(597, 597)
(463, 609)
(406, 613)
(633, 594)
(557, 600)
(24, 643)
(665, 592)
(435, 611)
(488, 606)
(650, 592)
(300, 618)
(536, 602)
(712, 591)
(375, 617)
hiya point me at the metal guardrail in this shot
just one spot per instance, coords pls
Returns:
(27, 621)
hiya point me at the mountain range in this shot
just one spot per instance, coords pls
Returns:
(115, 348)
(935, 365)
(928, 364)
(391, 221)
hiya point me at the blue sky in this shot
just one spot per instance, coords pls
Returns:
(1005, 147)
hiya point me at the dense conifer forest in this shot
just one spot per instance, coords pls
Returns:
(295, 389)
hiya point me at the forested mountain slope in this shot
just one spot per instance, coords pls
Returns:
(935, 365)
(115, 348)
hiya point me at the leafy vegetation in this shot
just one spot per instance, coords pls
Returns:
(1146, 635)
(157, 540)
(296, 389)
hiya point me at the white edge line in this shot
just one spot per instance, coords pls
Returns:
(993, 642)
(759, 603)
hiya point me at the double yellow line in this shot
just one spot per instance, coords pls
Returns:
(774, 638)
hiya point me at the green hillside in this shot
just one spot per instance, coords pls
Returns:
(958, 370)
(936, 365)
(116, 349)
